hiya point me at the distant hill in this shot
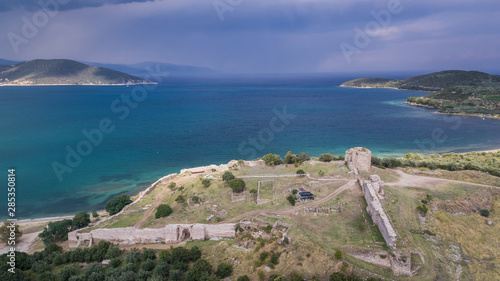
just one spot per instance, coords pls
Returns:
(10, 62)
(167, 69)
(63, 72)
(428, 82)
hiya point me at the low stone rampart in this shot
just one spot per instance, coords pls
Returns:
(378, 214)
(168, 234)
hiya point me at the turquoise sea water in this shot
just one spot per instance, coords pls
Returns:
(188, 123)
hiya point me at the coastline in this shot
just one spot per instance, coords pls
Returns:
(126, 84)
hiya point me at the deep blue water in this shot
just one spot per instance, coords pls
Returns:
(187, 123)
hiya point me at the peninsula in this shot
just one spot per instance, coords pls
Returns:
(453, 91)
(63, 72)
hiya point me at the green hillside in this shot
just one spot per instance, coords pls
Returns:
(429, 82)
(454, 91)
(63, 72)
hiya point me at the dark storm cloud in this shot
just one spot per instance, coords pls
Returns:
(33, 5)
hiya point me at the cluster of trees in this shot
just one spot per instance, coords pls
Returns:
(296, 159)
(53, 264)
(488, 162)
(117, 203)
(423, 101)
(327, 157)
(58, 230)
(5, 231)
(237, 185)
(272, 159)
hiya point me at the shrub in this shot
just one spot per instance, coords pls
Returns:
(262, 275)
(484, 212)
(300, 172)
(263, 256)
(295, 276)
(303, 157)
(95, 214)
(237, 185)
(243, 278)
(224, 270)
(327, 157)
(295, 191)
(290, 158)
(227, 176)
(163, 210)
(338, 254)
(179, 199)
(291, 199)
(206, 183)
(321, 173)
(423, 209)
(117, 203)
(275, 258)
(148, 265)
(172, 185)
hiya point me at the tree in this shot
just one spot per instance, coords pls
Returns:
(81, 220)
(300, 172)
(227, 176)
(66, 272)
(95, 214)
(290, 158)
(338, 254)
(206, 182)
(254, 191)
(117, 203)
(56, 231)
(291, 199)
(6, 229)
(272, 159)
(303, 157)
(194, 253)
(148, 265)
(224, 270)
(172, 185)
(163, 210)
(237, 185)
(326, 157)
(180, 254)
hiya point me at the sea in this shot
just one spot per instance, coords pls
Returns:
(75, 147)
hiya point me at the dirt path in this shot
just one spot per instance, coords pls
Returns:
(349, 184)
(427, 182)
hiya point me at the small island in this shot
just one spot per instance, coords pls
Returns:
(63, 72)
(452, 91)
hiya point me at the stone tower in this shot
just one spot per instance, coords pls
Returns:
(358, 158)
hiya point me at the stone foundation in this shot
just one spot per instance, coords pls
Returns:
(168, 234)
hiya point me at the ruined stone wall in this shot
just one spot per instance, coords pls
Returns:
(378, 214)
(169, 233)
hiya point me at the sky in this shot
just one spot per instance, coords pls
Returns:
(259, 36)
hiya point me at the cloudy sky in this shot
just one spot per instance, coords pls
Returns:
(260, 36)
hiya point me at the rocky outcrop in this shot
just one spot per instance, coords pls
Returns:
(223, 167)
(168, 234)
(358, 158)
(378, 214)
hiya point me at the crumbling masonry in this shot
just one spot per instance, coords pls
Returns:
(376, 211)
(168, 234)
